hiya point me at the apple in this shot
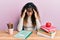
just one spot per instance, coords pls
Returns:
(48, 24)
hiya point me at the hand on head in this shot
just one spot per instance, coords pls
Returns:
(24, 13)
(35, 13)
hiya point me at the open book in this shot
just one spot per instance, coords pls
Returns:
(23, 34)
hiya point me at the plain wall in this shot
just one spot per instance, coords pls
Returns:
(10, 10)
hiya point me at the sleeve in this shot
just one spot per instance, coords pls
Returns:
(20, 25)
(38, 24)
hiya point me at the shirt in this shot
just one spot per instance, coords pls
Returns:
(29, 24)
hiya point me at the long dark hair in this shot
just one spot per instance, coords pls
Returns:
(26, 6)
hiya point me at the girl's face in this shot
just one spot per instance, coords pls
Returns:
(29, 11)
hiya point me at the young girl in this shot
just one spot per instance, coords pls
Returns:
(30, 19)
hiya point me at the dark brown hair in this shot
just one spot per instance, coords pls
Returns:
(26, 6)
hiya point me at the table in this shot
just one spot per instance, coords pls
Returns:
(5, 36)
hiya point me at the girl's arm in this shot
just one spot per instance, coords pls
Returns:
(20, 25)
(38, 24)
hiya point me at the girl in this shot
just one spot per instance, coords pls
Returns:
(30, 19)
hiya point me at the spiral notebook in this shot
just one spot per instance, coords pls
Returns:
(23, 34)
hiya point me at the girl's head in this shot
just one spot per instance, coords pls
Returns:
(29, 8)
(29, 11)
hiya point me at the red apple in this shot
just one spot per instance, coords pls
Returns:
(48, 24)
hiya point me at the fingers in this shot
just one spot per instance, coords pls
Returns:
(34, 10)
(25, 11)
(35, 14)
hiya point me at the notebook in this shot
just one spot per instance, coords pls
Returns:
(23, 34)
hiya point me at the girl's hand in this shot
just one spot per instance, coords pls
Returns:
(35, 13)
(24, 13)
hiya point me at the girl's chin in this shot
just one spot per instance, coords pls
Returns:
(29, 15)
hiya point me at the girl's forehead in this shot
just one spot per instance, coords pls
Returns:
(29, 8)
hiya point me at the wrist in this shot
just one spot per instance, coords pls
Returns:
(36, 17)
(22, 17)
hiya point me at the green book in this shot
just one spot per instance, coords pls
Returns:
(23, 34)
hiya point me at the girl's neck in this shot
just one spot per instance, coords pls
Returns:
(29, 16)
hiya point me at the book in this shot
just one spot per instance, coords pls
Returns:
(23, 34)
(48, 29)
(46, 34)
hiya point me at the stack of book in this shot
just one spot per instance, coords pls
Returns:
(47, 31)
